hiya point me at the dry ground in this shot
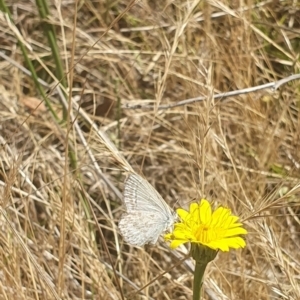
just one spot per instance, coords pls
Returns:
(59, 219)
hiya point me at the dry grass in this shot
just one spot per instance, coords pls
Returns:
(242, 152)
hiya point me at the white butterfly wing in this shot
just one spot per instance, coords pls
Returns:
(148, 215)
(139, 194)
(139, 228)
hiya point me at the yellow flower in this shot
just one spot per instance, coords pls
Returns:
(217, 229)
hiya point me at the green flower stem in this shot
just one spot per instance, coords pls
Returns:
(198, 279)
(202, 256)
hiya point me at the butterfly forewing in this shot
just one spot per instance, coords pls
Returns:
(139, 194)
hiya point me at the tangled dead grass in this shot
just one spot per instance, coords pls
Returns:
(242, 152)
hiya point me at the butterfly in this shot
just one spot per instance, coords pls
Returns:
(147, 214)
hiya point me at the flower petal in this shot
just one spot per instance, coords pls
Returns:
(205, 212)
(235, 231)
(176, 243)
(183, 214)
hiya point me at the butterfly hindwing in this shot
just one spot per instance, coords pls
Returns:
(139, 228)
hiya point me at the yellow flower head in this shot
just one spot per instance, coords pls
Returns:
(217, 229)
